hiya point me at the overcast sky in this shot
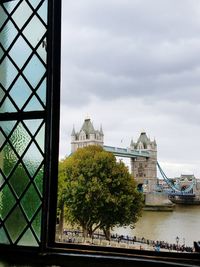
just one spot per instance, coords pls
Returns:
(132, 66)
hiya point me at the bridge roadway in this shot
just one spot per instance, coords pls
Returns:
(126, 152)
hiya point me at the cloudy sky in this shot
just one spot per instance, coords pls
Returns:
(132, 66)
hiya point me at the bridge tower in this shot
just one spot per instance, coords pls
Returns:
(86, 136)
(143, 169)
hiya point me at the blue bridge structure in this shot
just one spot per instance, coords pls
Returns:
(173, 190)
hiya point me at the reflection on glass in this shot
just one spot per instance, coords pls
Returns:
(20, 52)
(22, 13)
(43, 11)
(18, 95)
(8, 34)
(36, 26)
(41, 92)
(7, 70)
(34, 71)
(10, 6)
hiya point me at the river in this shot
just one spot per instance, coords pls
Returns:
(183, 222)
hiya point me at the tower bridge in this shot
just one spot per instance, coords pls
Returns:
(143, 162)
(126, 152)
(142, 153)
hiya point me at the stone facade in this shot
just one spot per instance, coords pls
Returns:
(144, 170)
(86, 136)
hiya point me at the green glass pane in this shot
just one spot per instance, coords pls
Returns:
(20, 92)
(8, 71)
(20, 139)
(33, 104)
(8, 34)
(41, 92)
(1, 180)
(43, 11)
(34, 31)
(2, 139)
(3, 16)
(34, 71)
(40, 138)
(36, 225)
(32, 159)
(20, 52)
(19, 180)
(7, 201)
(22, 13)
(15, 224)
(33, 125)
(30, 202)
(9, 159)
(3, 237)
(39, 180)
(28, 239)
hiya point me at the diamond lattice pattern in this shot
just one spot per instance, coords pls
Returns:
(23, 53)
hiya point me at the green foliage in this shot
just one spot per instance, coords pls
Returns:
(98, 191)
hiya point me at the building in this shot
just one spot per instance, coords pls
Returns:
(86, 136)
(145, 169)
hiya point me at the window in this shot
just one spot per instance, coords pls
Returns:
(27, 83)
(29, 117)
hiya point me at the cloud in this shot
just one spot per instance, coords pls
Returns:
(133, 65)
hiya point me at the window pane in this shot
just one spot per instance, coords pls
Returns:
(23, 56)
(25, 90)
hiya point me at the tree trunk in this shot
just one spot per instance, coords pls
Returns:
(85, 232)
(61, 221)
(107, 233)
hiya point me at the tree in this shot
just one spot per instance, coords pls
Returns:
(98, 191)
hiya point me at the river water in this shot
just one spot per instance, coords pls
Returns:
(183, 222)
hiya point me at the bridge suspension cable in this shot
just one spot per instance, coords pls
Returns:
(172, 185)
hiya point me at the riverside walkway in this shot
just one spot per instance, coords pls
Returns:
(120, 241)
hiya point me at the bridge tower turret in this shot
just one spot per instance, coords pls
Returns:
(86, 136)
(143, 169)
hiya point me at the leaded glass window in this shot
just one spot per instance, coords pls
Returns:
(23, 119)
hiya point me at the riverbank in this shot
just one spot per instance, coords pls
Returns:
(159, 208)
(120, 241)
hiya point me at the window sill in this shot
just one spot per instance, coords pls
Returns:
(90, 256)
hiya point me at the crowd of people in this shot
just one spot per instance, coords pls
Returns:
(155, 245)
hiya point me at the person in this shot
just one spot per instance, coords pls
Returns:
(157, 247)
